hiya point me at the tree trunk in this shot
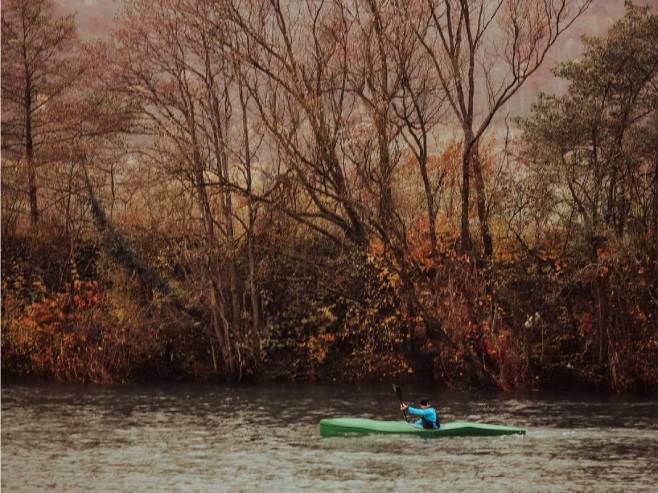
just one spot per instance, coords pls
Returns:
(29, 156)
(253, 292)
(655, 203)
(251, 257)
(227, 210)
(221, 327)
(429, 199)
(465, 241)
(481, 201)
(236, 309)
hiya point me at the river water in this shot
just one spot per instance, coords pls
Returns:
(265, 438)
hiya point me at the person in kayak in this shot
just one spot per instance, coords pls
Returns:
(428, 417)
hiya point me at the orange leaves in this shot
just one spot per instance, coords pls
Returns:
(490, 348)
(419, 242)
(449, 160)
(504, 254)
(87, 294)
(46, 313)
(318, 346)
(48, 335)
(375, 248)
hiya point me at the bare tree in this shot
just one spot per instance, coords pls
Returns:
(38, 67)
(172, 62)
(303, 100)
(419, 107)
(482, 53)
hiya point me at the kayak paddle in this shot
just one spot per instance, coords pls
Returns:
(398, 392)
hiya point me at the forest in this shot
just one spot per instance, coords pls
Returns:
(330, 190)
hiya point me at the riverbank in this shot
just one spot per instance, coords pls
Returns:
(69, 314)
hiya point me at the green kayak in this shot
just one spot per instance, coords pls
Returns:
(343, 426)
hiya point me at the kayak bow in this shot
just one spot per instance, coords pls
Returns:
(346, 426)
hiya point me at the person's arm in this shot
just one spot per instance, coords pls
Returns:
(425, 413)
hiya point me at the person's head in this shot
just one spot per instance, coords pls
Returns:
(424, 404)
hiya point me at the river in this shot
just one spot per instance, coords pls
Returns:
(207, 438)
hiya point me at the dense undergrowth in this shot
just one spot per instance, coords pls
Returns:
(70, 314)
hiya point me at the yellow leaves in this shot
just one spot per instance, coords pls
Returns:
(119, 313)
(323, 316)
(394, 279)
(38, 286)
(326, 312)
(388, 278)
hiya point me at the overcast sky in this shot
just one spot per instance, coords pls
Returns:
(96, 18)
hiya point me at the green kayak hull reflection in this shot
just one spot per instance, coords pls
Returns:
(349, 426)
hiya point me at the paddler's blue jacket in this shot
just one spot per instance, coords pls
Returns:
(428, 415)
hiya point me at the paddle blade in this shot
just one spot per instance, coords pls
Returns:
(398, 392)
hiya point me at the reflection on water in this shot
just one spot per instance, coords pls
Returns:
(258, 438)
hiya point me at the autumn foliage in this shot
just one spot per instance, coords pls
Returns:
(309, 191)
